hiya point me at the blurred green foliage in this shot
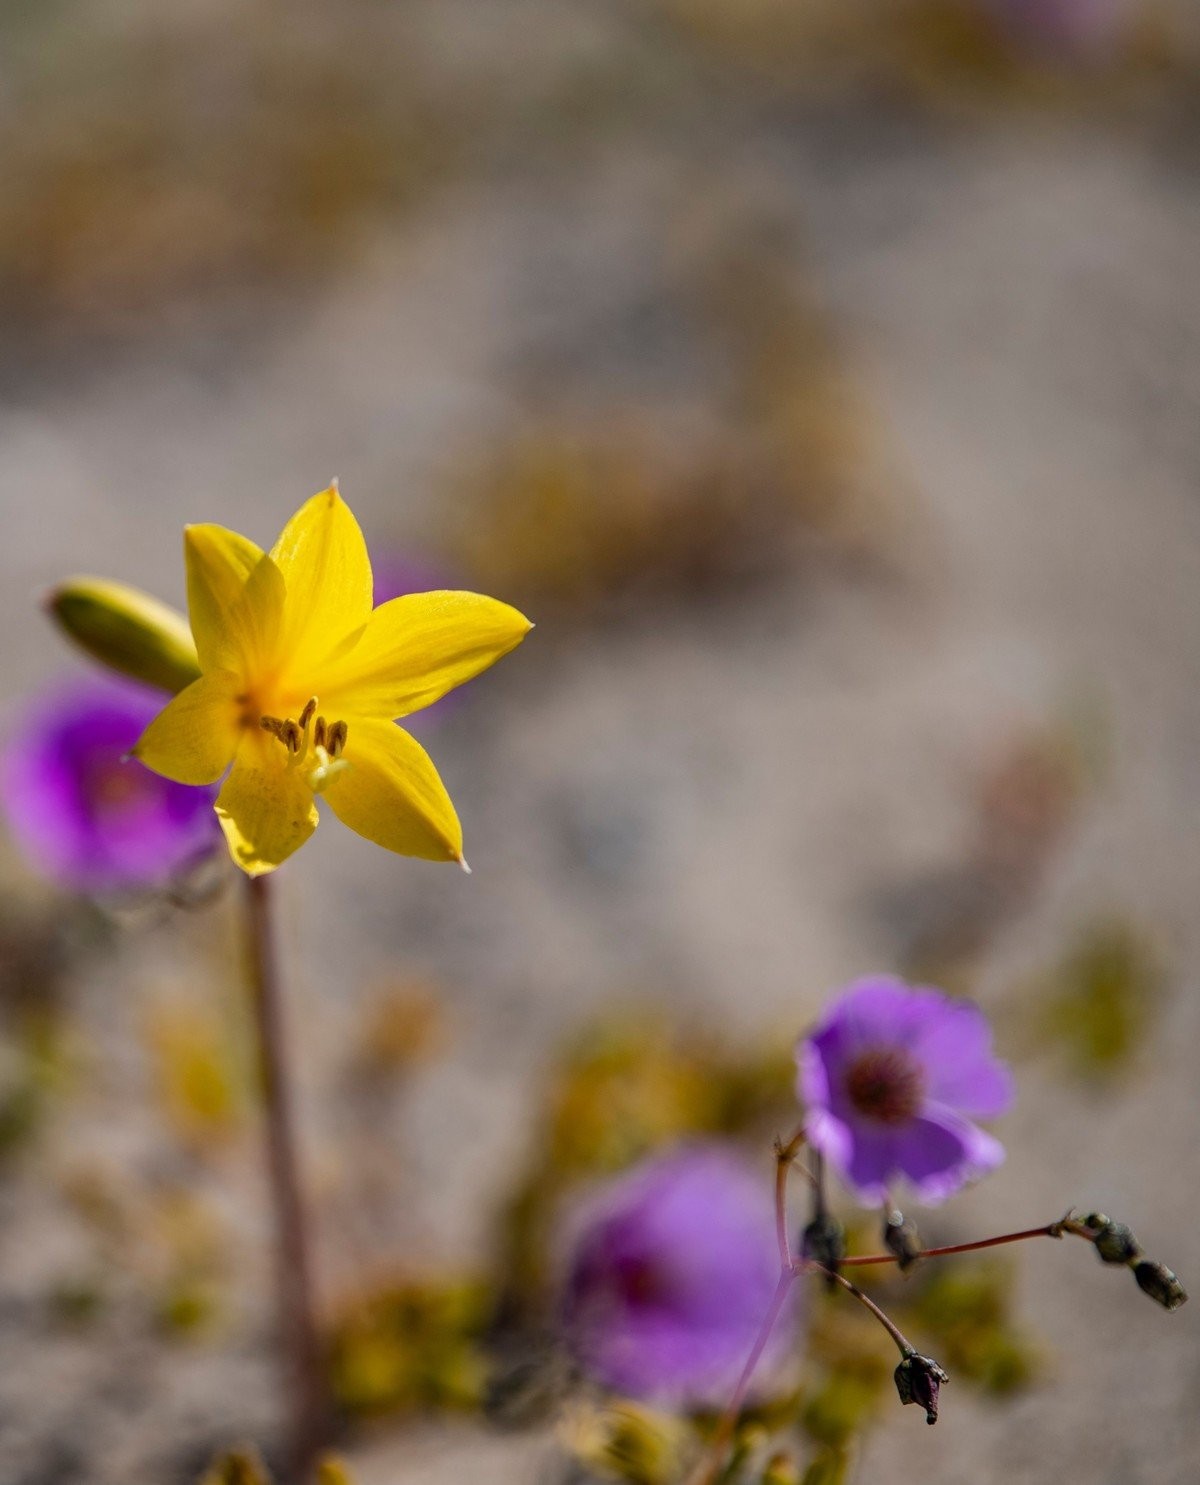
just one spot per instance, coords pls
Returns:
(626, 1441)
(1098, 1004)
(412, 1345)
(965, 1308)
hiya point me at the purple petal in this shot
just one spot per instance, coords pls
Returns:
(872, 1164)
(671, 1269)
(81, 813)
(955, 1047)
(941, 1151)
(832, 1136)
(879, 1011)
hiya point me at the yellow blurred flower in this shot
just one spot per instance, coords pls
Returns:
(301, 683)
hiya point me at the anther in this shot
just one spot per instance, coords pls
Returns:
(306, 715)
(272, 725)
(292, 736)
(319, 733)
(337, 739)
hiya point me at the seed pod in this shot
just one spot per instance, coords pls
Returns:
(918, 1380)
(1157, 1280)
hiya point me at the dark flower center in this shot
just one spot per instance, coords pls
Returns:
(885, 1084)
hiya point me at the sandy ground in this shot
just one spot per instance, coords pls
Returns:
(702, 804)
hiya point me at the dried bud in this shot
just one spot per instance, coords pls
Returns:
(824, 1242)
(126, 630)
(901, 1238)
(918, 1380)
(1157, 1280)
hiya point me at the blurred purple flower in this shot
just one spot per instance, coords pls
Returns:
(1075, 29)
(397, 575)
(80, 814)
(889, 1080)
(671, 1271)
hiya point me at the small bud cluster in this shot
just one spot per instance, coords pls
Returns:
(1115, 1243)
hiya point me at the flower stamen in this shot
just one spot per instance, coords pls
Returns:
(326, 740)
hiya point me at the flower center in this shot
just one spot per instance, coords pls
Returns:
(311, 736)
(885, 1084)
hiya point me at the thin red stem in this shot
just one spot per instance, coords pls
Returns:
(308, 1400)
(1052, 1229)
(710, 1466)
(865, 1299)
(784, 1155)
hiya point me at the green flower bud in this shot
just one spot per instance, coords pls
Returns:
(1157, 1280)
(126, 630)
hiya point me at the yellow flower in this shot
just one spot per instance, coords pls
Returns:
(301, 682)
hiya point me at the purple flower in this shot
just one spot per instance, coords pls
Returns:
(80, 814)
(890, 1080)
(396, 575)
(671, 1270)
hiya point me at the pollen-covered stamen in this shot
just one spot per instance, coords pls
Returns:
(311, 737)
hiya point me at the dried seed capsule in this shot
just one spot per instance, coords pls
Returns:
(1157, 1280)
(918, 1380)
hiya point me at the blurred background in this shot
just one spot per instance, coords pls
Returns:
(823, 377)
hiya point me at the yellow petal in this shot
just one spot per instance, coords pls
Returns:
(266, 810)
(196, 734)
(391, 793)
(235, 599)
(323, 558)
(415, 649)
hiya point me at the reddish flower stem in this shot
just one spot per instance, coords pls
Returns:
(307, 1393)
(1052, 1229)
(710, 1466)
(784, 1155)
(906, 1349)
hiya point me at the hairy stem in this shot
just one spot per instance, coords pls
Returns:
(307, 1396)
